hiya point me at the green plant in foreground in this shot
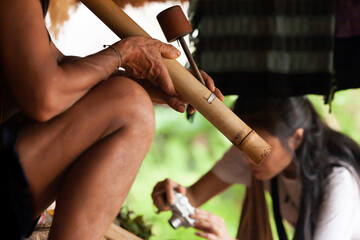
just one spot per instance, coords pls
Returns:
(135, 225)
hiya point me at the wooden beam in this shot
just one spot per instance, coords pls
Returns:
(117, 233)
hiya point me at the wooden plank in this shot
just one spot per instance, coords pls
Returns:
(117, 233)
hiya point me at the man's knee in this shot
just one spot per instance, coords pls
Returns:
(132, 106)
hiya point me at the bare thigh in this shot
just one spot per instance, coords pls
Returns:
(47, 150)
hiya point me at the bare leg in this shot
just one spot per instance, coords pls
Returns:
(88, 157)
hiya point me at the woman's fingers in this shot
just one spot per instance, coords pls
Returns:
(205, 235)
(212, 226)
(158, 197)
(205, 215)
(169, 188)
(159, 201)
(207, 229)
(181, 189)
(205, 226)
(163, 193)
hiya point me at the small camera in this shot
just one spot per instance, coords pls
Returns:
(181, 209)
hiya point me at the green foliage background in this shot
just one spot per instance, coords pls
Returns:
(184, 151)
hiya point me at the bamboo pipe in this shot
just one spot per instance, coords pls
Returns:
(187, 86)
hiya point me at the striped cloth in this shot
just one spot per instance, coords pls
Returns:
(257, 40)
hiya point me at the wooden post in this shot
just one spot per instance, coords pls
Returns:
(188, 86)
(117, 233)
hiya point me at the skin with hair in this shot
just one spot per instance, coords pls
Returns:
(85, 129)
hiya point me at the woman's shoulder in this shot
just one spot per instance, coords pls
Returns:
(232, 167)
(340, 208)
(342, 182)
(342, 191)
(235, 156)
(345, 174)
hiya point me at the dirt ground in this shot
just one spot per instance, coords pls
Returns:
(41, 232)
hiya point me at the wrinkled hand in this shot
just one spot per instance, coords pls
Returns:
(177, 103)
(156, 94)
(166, 187)
(142, 59)
(211, 226)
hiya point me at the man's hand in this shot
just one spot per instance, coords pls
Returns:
(159, 96)
(211, 86)
(142, 59)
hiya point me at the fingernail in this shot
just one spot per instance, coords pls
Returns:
(178, 53)
(182, 108)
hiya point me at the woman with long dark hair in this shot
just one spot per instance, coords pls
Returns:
(312, 174)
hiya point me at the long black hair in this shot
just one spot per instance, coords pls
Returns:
(320, 151)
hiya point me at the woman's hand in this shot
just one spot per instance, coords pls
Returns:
(165, 188)
(211, 226)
